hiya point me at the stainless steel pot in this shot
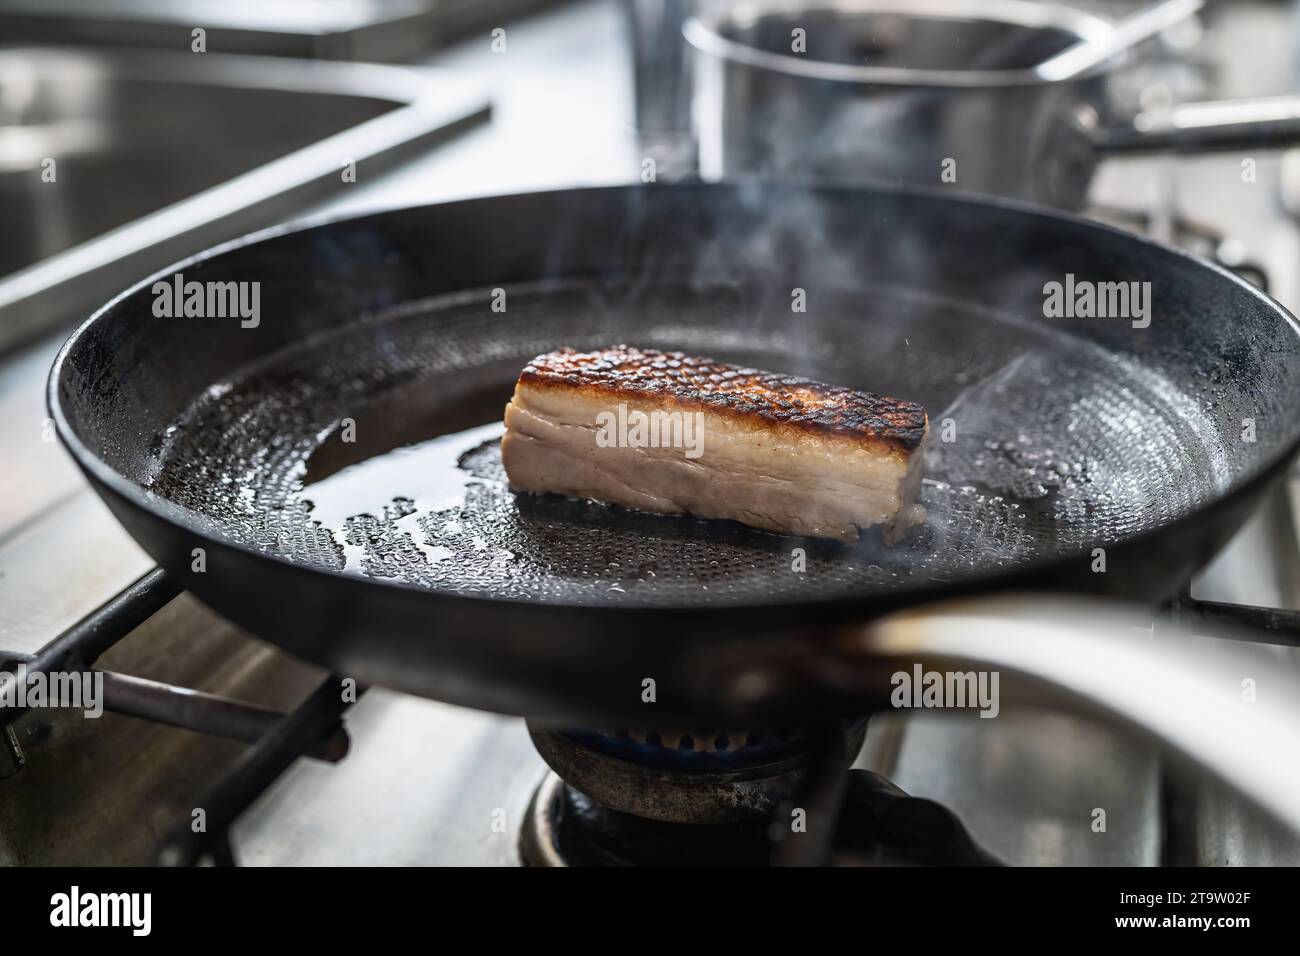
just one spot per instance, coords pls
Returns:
(981, 93)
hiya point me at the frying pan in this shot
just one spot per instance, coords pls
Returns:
(256, 464)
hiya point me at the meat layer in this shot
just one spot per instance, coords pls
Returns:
(669, 433)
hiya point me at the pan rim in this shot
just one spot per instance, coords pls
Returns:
(843, 606)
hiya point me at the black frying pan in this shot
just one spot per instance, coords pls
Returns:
(419, 570)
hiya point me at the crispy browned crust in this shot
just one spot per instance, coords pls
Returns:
(776, 400)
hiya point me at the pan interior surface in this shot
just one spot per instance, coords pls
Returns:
(373, 449)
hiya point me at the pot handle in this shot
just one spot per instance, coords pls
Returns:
(1231, 706)
(1262, 122)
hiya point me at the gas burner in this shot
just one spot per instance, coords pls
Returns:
(565, 827)
(713, 777)
(627, 799)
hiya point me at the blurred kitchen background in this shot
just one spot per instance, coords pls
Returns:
(159, 151)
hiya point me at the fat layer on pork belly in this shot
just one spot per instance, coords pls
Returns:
(669, 433)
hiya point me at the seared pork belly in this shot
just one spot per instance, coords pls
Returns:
(674, 434)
